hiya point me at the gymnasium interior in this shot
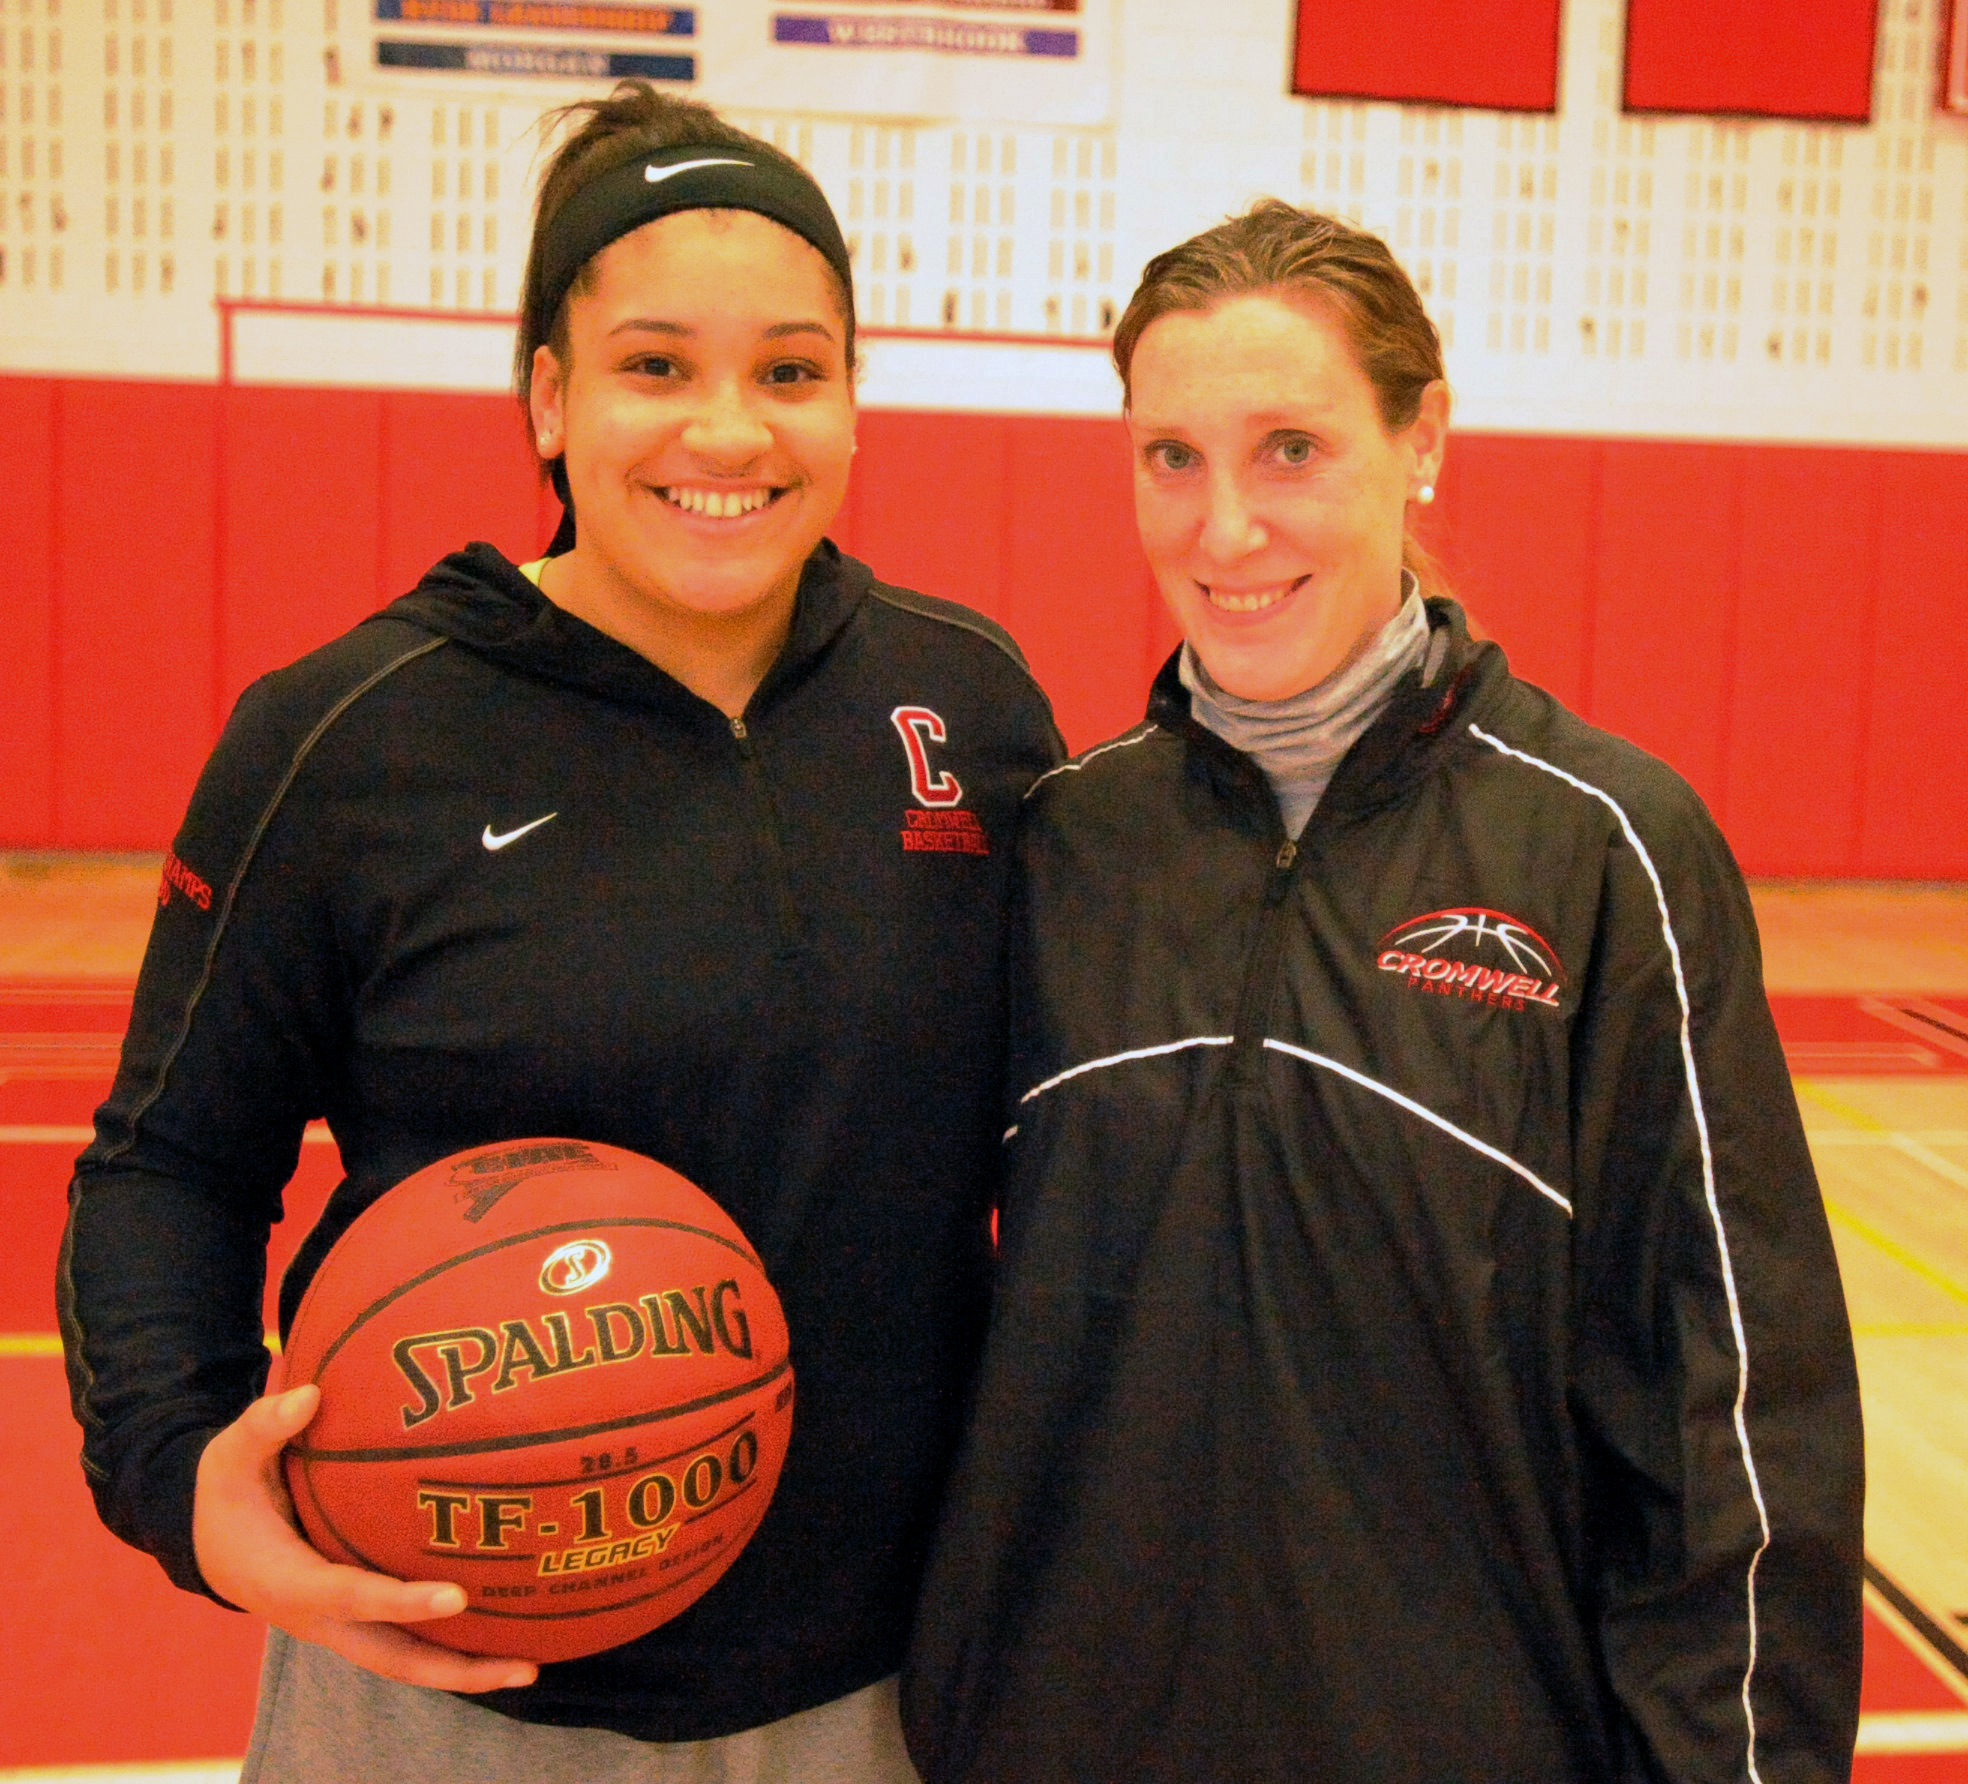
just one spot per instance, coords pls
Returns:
(1700, 268)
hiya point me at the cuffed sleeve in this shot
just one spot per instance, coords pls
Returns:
(162, 1269)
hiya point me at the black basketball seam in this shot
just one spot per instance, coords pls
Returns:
(532, 1440)
(465, 1257)
(744, 1486)
(375, 1566)
(569, 1615)
(641, 1467)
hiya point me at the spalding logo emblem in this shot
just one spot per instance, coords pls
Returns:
(575, 1266)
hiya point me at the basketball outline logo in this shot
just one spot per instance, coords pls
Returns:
(578, 1264)
(1522, 946)
(1442, 952)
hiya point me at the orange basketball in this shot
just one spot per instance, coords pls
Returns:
(552, 1371)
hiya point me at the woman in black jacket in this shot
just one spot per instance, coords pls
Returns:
(616, 845)
(1419, 1353)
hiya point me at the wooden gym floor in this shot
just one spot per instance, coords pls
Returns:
(1870, 985)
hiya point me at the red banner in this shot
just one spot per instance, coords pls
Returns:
(1954, 65)
(1808, 59)
(1502, 56)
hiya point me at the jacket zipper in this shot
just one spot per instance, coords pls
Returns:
(1261, 968)
(767, 813)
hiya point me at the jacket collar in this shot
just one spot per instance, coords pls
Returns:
(1398, 749)
(478, 597)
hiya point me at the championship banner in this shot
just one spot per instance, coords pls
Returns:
(1811, 60)
(551, 39)
(1039, 61)
(1501, 56)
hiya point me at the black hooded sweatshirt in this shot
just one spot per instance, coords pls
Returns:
(476, 871)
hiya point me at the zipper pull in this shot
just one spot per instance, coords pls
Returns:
(1281, 879)
(738, 730)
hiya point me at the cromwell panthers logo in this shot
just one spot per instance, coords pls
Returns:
(937, 826)
(1481, 956)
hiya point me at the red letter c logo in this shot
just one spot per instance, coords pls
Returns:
(918, 728)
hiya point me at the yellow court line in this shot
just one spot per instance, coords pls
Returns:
(1911, 1329)
(1914, 1150)
(1843, 1216)
(29, 1344)
(196, 1771)
(1914, 1731)
(48, 1344)
(1900, 1142)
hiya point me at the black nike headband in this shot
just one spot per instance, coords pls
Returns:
(692, 177)
(689, 177)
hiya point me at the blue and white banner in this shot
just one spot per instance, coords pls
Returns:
(1039, 61)
(950, 37)
(590, 37)
(545, 15)
(567, 62)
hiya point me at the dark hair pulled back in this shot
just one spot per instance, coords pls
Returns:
(633, 120)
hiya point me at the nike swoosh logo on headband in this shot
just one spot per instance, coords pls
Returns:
(655, 175)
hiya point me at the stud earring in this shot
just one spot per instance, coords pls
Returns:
(1425, 494)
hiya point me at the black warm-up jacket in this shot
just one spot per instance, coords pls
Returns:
(1419, 1356)
(475, 871)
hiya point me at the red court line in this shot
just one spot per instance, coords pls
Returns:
(104, 1659)
(58, 1052)
(184, 1669)
(1899, 1677)
(68, 994)
(1883, 1035)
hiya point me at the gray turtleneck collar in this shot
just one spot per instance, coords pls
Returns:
(1298, 741)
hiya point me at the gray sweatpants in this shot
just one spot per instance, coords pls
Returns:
(323, 1720)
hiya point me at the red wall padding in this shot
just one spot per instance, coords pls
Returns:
(1787, 625)
(28, 547)
(136, 616)
(1804, 59)
(1502, 54)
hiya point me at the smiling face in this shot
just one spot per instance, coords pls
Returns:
(1270, 496)
(706, 416)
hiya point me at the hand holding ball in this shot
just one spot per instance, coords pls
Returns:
(554, 1372)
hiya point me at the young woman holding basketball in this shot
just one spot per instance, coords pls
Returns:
(609, 846)
(1418, 1353)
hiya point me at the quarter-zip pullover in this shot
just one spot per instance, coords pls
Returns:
(728, 949)
(1418, 1355)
